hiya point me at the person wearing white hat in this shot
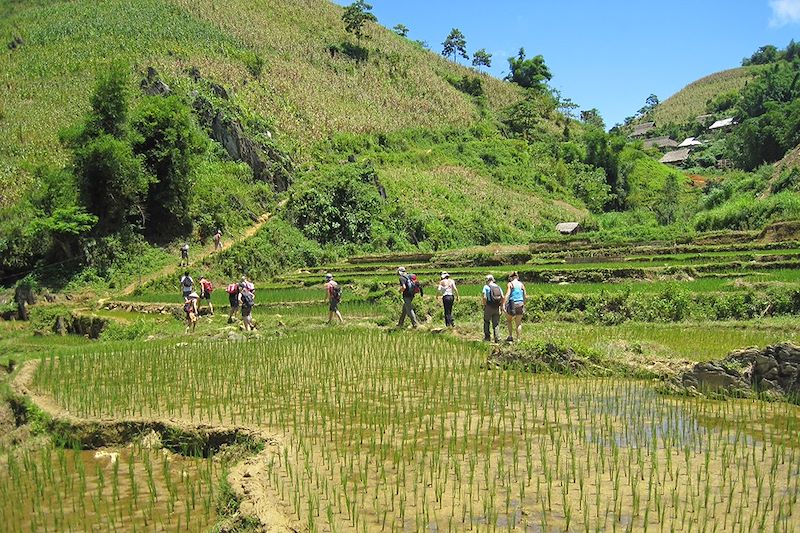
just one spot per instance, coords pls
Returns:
(408, 288)
(190, 308)
(449, 294)
(492, 297)
(333, 295)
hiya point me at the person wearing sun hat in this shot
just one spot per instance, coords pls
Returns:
(408, 288)
(333, 295)
(449, 294)
(190, 308)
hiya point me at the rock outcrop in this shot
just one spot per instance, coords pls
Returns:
(773, 371)
(153, 85)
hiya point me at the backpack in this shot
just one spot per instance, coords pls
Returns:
(233, 288)
(187, 281)
(415, 286)
(188, 307)
(336, 292)
(495, 295)
(208, 287)
(247, 299)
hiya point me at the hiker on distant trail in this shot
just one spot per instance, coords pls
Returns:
(492, 297)
(185, 254)
(218, 240)
(333, 295)
(409, 287)
(515, 306)
(247, 301)
(449, 293)
(206, 288)
(233, 298)
(191, 310)
(187, 284)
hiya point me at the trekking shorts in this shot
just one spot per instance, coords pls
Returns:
(516, 309)
(184, 254)
(205, 295)
(333, 305)
(246, 311)
(234, 300)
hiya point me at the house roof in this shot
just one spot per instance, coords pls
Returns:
(722, 123)
(660, 142)
(567, 227)
(689, 141)
(642, 129)
(676, 156)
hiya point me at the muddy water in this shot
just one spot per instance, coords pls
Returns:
(130, 489)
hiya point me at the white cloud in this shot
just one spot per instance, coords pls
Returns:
(784, 12)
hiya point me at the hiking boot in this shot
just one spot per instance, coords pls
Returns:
(509, 339)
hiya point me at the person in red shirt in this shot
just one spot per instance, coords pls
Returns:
(206, 288)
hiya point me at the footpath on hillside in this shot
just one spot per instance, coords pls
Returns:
(206, 251)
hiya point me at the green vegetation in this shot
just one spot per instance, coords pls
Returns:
(459, 445)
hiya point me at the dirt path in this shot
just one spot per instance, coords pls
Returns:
(246, 477)
(196, 258)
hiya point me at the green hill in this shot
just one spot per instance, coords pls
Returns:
(284, 61)
(691, 101)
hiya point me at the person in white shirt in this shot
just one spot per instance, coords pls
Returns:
(449, 294)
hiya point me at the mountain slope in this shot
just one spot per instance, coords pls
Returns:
(690, 101)
(285, 60)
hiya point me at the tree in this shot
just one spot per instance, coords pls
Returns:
(762, 56)
(109, 112)
(401, 30)
(455, 45)
(167, 138)
(482, 58)
(667, 207)
(355, 16)
(649, 104)
(591, 117)
(529, 73)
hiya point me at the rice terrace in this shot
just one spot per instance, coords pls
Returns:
(279, 266)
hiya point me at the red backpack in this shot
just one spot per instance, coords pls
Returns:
(208, 286)
(233, 288)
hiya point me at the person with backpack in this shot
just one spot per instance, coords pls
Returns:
(409, 287)
(515, 306)
(333, 295)
(191, 311)
(492, 297)
(187, 284)
(218, 240)
(449, 293)
(185, 254)
(206, 288)
(247, 301)
(233, 299)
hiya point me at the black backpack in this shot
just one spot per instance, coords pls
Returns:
(247, 298)
(495, 295)
(187, 281)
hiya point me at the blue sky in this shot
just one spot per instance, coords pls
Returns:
(608, 54)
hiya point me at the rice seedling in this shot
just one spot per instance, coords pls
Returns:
(406, 431)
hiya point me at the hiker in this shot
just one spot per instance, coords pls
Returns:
(218, 240)
(492, 297)
(206, 288)
(247, 301)
(185, 254)
(233, 299)
(449, 293)
(333, 295)
(409, 287)
(187, 284)
(515, 306)
(190, 308)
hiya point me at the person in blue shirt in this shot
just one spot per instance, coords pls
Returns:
(492, 304)
(515, 306)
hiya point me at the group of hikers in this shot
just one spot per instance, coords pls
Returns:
(496, 302)
(241, 295)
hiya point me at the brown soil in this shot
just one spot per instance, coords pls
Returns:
(256, 501)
